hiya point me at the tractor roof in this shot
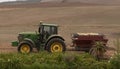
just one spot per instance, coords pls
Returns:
(47, 24)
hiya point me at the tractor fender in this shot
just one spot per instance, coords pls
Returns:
(31, 42)
(52, 37)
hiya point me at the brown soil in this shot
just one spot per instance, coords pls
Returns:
(72, 18)
(44, 5)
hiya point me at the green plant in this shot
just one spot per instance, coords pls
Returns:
(98, 49)
(100, 65)
(117, 45)
(115, 62)
(45, 60)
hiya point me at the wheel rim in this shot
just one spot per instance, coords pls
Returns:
(25, 48)
(56, 47)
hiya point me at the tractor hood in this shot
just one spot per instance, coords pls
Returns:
(29, 35)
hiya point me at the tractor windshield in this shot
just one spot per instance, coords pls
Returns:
(46, 29)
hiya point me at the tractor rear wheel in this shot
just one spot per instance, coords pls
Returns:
(56, 45)
(25, 47)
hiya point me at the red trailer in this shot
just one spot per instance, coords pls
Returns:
(84, 41)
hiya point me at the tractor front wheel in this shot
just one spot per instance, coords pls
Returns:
(24, 47)
(56, 45)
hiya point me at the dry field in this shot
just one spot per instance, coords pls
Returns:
(71, 18)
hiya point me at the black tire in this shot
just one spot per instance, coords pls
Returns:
(52, 42)
(25, 44)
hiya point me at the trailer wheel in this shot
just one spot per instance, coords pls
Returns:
(56, 45)
(25, 47)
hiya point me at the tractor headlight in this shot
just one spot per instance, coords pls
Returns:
(20, 37)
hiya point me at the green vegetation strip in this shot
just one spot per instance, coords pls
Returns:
(45, 60)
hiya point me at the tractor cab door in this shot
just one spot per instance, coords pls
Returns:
(46, 31)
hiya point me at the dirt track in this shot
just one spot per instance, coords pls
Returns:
(71, 18)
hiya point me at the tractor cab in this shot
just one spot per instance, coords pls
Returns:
(50, 28)
(46, 30)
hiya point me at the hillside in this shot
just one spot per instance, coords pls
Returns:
(101, 19)
(102, 2)
(84, 16)
(43, 5)
(86, 1)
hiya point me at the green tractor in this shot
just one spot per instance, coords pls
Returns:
(47, 38)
